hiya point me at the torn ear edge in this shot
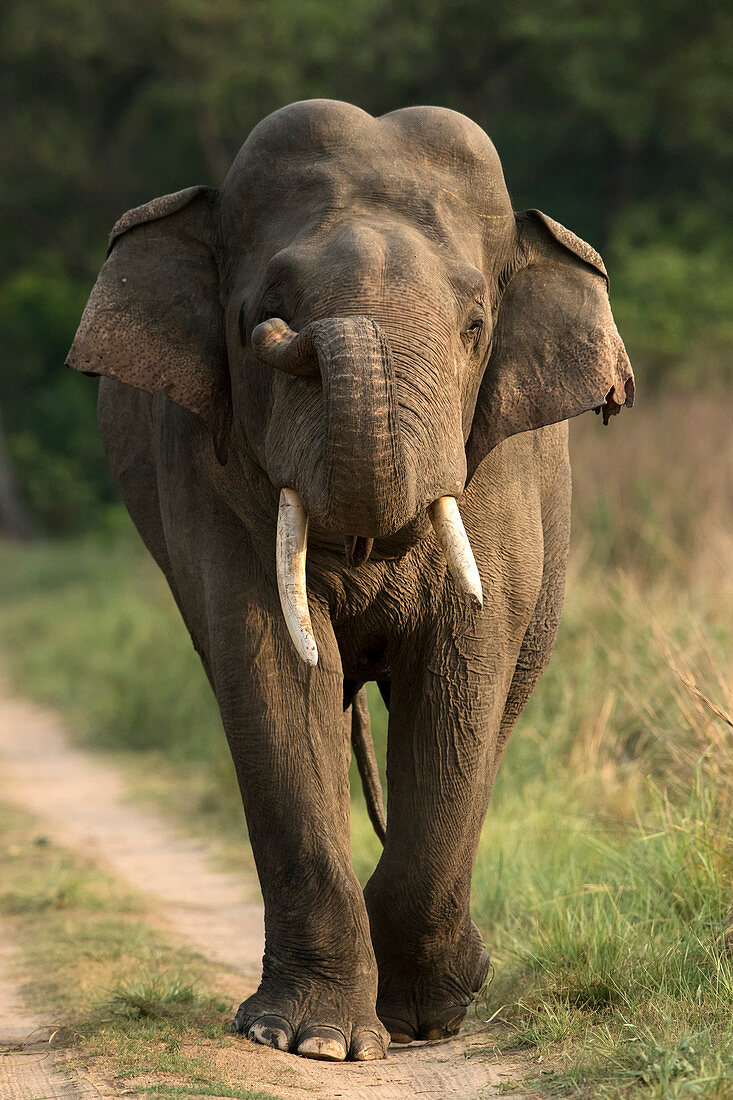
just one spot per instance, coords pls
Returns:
(154, 318)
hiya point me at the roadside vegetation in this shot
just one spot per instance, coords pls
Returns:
(120, 1001)
(605, 871)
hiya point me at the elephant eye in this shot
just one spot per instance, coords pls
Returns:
(472, 332)
(273, 305)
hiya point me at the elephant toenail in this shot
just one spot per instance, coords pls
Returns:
(271, 1031)
(370, 1052)
(367, 1046)
(326, 1044)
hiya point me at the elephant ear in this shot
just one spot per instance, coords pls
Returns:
(556, 350)
(154, 318)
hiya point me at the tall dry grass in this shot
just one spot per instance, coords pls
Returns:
(653, 537)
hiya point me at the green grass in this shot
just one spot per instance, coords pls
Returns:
(157, 996)
(612, 949)
(605, 871)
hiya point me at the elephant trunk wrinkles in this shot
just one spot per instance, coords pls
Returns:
(365, 489)
(364, 465)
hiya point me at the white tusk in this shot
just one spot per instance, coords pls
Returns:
(292, 544)
(451, 534)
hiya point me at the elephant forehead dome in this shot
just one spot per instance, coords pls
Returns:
(329, 126)
(310, 126)
(332, 154)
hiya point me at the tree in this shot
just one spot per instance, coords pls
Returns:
(15, 520)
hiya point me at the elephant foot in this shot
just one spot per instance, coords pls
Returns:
(427, 998)
(325, 1023)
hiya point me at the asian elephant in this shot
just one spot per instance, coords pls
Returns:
(351, 335)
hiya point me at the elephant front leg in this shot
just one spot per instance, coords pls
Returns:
(430, 954)
(284, 722)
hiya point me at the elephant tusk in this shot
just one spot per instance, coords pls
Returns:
(292, 544)
(451, 534)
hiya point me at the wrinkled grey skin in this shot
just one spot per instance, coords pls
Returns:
(455, 339)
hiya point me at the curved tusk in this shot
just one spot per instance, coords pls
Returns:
(451, 534)
(292, 544)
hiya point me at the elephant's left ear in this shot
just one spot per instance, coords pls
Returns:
(556, 350)
(154, 318)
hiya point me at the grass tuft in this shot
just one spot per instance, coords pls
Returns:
(159, 996)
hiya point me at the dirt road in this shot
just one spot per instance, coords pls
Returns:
(82, 800)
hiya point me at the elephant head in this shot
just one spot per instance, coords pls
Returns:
(361, 312)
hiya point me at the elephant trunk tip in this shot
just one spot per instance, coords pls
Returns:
(277, 345)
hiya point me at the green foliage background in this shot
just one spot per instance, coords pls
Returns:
(615, 117)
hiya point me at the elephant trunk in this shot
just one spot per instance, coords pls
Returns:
(365, 488)
(365, 471)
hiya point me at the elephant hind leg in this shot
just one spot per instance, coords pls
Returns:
(385, 690)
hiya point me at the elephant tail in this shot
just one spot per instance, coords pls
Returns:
(366, 762)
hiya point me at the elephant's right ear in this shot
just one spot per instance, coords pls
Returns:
(154, 318)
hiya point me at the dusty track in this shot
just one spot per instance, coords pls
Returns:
(82, 801)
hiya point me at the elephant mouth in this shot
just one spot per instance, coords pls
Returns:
(292, 548)
(358, 550)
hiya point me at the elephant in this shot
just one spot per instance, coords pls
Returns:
(356, 350)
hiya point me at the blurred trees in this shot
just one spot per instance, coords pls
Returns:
(616, 117)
